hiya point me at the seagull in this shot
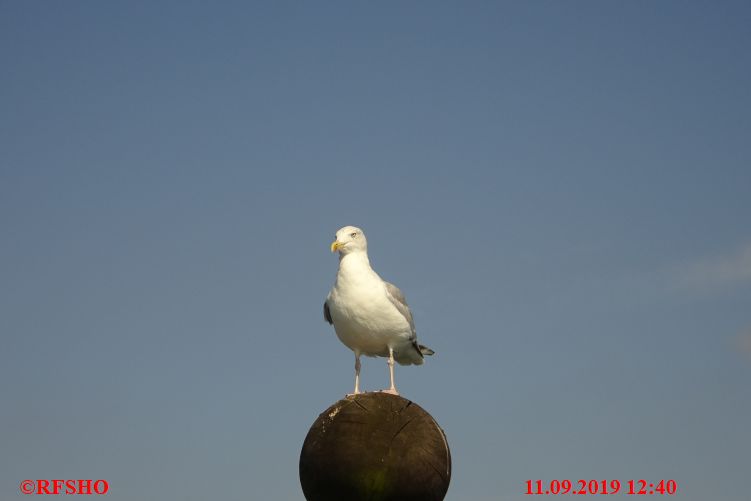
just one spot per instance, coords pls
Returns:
(370, 316)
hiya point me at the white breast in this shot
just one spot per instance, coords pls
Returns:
(364, 318)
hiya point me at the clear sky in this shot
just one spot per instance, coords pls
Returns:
(561, 189)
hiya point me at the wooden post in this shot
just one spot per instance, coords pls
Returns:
(375, 447)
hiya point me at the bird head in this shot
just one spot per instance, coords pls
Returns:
(349, 239)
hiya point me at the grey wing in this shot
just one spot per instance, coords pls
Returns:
(327, 313)
(397, 299)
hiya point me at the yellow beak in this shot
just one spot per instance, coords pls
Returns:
(335, 246)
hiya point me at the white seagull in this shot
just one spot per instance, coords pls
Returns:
(370, 316)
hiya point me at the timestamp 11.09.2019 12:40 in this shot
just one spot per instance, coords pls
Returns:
(638, 487)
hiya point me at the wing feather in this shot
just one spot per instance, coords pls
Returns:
(327, 313)
(397, 299)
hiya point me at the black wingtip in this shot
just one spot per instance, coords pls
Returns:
(327, 313)
(424, 350)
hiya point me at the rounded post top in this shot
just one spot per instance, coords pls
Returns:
(378, 447)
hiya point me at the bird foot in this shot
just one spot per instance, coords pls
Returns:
(390, 391)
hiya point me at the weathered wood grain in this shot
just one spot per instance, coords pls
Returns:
(375, 447)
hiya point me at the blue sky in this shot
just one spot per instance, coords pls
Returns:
(560, 189)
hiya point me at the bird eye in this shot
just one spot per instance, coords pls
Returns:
(353, 235)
